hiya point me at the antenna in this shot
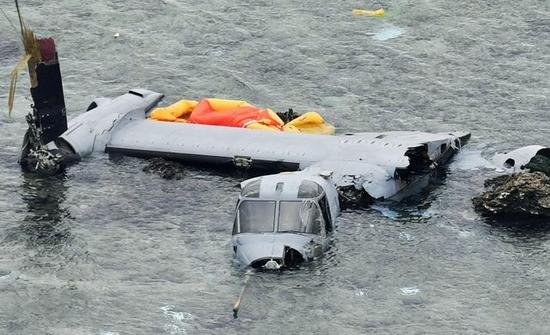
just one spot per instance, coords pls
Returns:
(20, 19)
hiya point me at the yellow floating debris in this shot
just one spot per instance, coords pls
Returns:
(378, 12)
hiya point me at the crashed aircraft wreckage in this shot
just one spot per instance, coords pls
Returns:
(299, 208)
(285, 219)
(281, 220)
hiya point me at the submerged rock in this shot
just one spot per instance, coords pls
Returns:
(516, 194)
(164, 168)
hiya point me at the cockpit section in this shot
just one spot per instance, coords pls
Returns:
(283, 216)
(283, 206)
(281, 220)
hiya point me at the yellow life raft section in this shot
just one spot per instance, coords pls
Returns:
(310, 122)
(176, 112)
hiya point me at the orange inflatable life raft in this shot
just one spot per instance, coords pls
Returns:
(238, 113)
(239, 116)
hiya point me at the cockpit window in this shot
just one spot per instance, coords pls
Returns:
(252, 189)
(299, 216)
(309, 189)
(256, 216)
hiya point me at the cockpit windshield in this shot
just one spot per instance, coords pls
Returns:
(256, 216)
(299, 216)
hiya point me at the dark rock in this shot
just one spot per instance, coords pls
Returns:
(539, 163)
(164, 168)
(516, 194)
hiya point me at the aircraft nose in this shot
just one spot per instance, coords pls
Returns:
(259, 255)
(267, 252)
(268, 264)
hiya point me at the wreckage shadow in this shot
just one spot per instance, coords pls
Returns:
(521, 226)
(175, 167)
(417, 198)
(45, 224)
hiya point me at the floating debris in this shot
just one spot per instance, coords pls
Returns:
(377, 12)
(388, 33)
(410, 290)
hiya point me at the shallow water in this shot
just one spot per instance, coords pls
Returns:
(108, 249)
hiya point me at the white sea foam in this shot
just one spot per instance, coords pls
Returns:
(471, 160)
(386, 211)
(362, 292)
(406, 236)
(413, 290)
(177, 321)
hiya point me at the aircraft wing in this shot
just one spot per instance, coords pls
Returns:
(394, 161)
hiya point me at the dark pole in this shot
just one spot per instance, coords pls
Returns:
(20, 20)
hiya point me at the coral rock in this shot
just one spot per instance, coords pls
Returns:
(517, 194)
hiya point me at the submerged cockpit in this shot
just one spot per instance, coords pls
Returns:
(282, 220)
(305, 212)
(268, 216)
